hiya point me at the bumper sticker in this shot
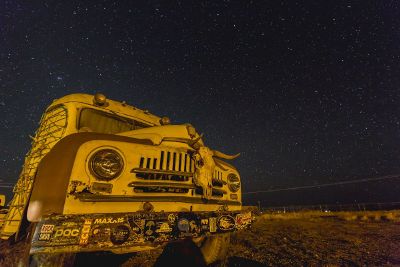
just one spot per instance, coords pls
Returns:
(93, 232)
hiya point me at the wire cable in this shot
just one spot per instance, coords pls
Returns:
(324, 185)
(6, 185)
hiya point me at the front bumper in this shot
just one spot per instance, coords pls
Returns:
(129, 232)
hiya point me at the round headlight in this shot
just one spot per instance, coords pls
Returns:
(233, 182)
(106, 164)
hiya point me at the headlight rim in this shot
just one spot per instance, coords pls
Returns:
(99, 176)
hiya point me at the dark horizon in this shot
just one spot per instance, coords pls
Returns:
(308, 93)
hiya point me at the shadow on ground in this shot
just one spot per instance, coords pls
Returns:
(100, 259)
(239, 261)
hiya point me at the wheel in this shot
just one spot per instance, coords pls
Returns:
(214, 249)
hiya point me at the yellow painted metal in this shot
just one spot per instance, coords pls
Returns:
(132, 154)
(172, 152)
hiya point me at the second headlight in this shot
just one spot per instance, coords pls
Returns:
(233, 182)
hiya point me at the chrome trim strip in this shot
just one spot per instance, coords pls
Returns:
(122, 198)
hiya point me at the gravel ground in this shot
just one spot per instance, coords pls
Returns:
(283, 240)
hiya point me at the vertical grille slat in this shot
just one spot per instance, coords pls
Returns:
(155, 163)
(162, 160)
(168, 160)
(174, 161)
(148, 163)
(183, 162)
(180, 162)
(141, 162)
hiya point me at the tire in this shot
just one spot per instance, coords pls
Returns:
(214, 249)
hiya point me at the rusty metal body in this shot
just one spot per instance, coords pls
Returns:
(98, 159)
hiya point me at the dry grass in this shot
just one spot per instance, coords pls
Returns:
(342, 215)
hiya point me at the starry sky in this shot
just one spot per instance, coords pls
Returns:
(307, 92)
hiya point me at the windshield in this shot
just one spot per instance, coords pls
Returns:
(91, 120)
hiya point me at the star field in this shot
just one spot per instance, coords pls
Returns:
(308, 93)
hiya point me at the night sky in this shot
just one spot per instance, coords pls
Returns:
(308, 93)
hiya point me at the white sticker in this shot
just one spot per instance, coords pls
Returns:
(213, 224)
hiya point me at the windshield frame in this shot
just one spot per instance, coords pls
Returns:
(136, 124)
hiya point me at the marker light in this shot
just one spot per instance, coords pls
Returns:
(99, 99)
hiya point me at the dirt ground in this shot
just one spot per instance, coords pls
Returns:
(302, 239)
(315, 241)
